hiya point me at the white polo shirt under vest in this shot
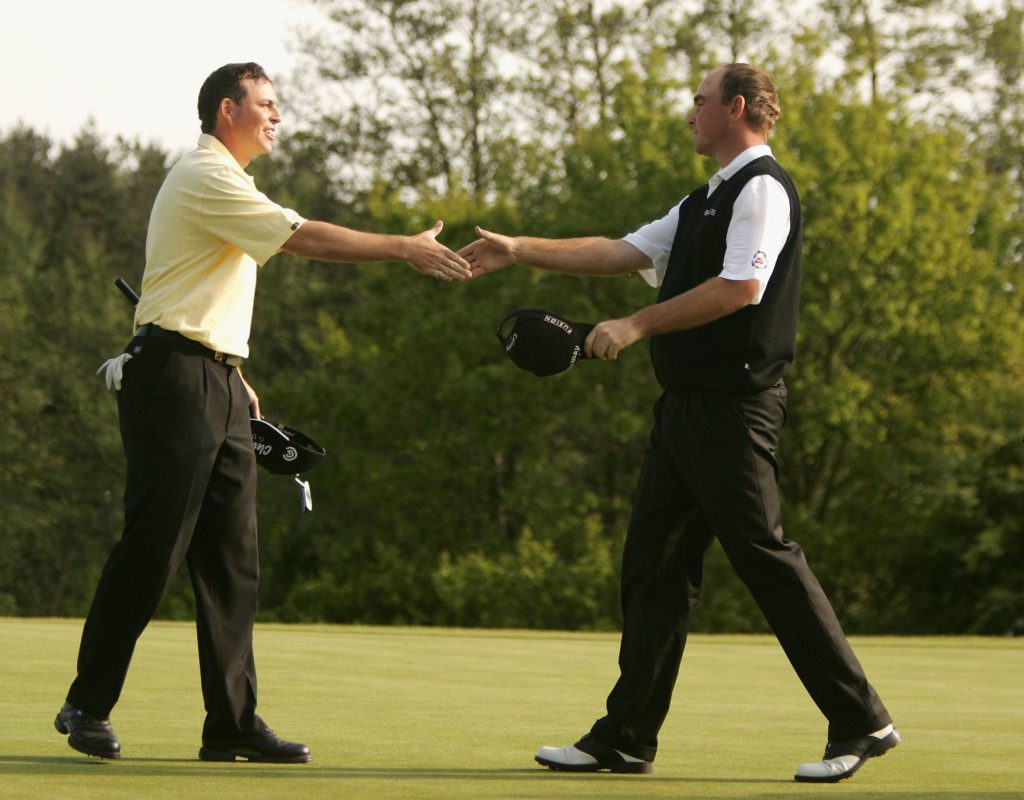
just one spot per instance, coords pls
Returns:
(757, 232)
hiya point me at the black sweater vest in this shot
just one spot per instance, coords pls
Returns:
(748, 350)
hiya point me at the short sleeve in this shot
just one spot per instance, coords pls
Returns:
(757, 232)
(234, 210)
(655, 240)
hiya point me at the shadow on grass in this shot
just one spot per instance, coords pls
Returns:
(148, 768)
(188, 767)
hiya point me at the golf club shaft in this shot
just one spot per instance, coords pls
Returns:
(127, 291)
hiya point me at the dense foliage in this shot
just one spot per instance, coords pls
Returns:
(459, 490)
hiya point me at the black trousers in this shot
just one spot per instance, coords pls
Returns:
(710, 471)
(190, 495)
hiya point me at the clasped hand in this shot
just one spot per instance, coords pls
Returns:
(494, 251)
(429, 256)
(611, 337)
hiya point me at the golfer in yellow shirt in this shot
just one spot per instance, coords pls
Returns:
(184, 408)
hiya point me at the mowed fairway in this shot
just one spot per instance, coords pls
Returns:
(435, 713)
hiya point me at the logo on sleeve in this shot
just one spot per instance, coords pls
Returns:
(760, 260)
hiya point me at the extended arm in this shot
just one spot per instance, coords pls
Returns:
(326, 242)
(591, 255)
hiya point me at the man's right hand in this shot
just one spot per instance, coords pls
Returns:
(427, 255)
(326, 242)
(489, 253)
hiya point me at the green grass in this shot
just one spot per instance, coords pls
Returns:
(432, 713)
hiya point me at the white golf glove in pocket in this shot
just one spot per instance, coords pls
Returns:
(113, 370)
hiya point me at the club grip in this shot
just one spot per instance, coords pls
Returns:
(127, 291)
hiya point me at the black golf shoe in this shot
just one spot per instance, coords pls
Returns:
(265, 747)
(87, 734)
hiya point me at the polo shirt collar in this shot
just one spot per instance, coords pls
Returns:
(738, 163)
(211, 142)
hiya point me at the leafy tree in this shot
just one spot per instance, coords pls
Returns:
(460, 490)
(963, 568)
(417, 89)
(68, 224)
(877, 345)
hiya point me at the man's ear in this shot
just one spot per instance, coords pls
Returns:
(737, 106)
(227, 108)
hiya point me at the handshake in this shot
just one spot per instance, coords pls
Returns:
(489, 253)
(540, 341)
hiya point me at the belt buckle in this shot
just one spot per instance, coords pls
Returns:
(227, 358)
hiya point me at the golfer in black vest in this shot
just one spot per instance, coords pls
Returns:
(722, 333)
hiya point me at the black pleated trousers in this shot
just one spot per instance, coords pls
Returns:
(710, 471)
(190, 496)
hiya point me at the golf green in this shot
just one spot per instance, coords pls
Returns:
(440, 713)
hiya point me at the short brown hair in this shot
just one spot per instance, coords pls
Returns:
(225, 82)
(758, 91)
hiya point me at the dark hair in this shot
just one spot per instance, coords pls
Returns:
(758, 91)
(225, 82)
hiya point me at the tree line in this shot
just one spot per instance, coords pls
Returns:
(459, 490)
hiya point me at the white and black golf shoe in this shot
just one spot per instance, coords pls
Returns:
(589, 755)
(842, 759)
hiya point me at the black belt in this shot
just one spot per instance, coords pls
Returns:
(154, 331)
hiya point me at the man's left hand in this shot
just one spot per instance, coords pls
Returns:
(611, 337)
(254, 401)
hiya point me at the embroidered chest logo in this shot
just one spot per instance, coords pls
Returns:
(710, 212)
(760, 260)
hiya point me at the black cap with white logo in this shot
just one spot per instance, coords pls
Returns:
(283, 450)
(542, 342)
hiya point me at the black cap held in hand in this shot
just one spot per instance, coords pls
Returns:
(283, 450)
(542, 342)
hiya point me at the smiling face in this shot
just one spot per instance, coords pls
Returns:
(248, 128)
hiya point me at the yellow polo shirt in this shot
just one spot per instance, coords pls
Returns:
(209, 229)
